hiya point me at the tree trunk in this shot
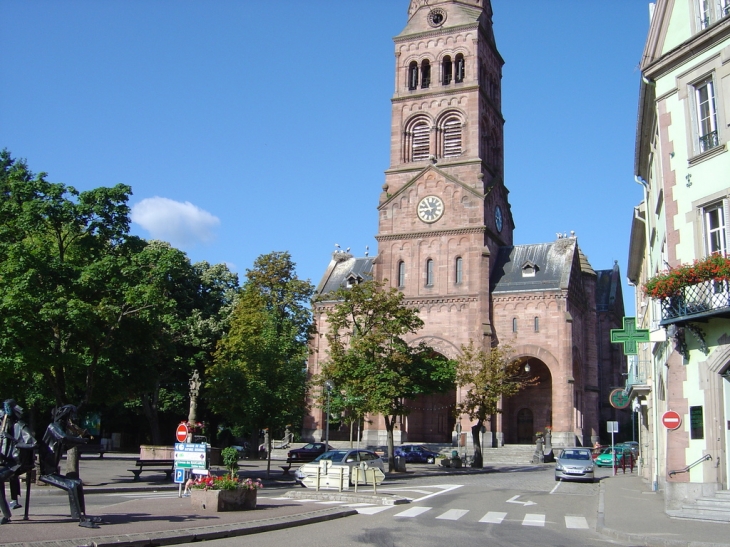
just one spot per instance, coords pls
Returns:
(389, 424)
(149, 406)
(476, 430)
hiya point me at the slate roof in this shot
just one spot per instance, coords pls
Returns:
(341, 268)
(608, 289)
(551, 262)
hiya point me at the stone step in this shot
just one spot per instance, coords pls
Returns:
(700, 514)
(720, 503)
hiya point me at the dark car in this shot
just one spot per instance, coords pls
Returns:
(308, 452)
(416, 453)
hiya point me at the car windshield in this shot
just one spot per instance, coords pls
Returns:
(332, 455)
(309, 446)
(611, 450)
(576, 455)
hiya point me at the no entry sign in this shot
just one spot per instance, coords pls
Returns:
(181, 433)
(671, 419)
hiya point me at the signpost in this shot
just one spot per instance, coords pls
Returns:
(671, 420)
(612, 428)
(188, 457)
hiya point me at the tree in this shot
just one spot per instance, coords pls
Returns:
(257, 378)
(490, 376)
(370, 358)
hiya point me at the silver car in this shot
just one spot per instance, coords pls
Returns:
(574, 464)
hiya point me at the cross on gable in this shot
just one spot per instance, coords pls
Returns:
(629, 336)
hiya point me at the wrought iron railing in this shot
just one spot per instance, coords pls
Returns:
(704, 458)
(709, 141)
(703, 299)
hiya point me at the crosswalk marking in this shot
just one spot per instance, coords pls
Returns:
(453, 514)
(576, 522)
(412, 512)
(493, 517)
(329, 502)
(373, 510)
(532, 519)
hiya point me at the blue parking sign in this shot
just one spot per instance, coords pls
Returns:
(179, 476)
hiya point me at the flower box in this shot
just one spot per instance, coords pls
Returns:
(240, 499)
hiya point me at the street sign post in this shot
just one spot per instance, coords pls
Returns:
(613, 428)
(188, 457)
(671, 420)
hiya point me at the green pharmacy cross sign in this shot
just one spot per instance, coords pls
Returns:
(629, 336)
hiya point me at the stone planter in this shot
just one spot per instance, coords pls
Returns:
(153, 452)
(223, 500)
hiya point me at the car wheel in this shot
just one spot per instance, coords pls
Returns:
(557, 479)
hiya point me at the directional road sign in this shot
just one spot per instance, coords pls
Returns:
(190, 455)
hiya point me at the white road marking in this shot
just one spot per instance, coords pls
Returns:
(514, 499)
(453, 514)
(531, 519)
(493, 517)
(329, 502)
(359, 505)
(412, 512)
(557, 485)
(373, 510)
(446, 488)
(576, 522)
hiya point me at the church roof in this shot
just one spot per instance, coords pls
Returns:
(344, 269)
(608, 289)
(537, 267)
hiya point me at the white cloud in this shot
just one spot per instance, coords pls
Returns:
(181, 224)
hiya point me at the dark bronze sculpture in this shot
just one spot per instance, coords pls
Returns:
(50, 449)
(17, 445)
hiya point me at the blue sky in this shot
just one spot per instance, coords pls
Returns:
(252, 126)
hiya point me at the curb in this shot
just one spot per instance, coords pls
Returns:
(204, 533)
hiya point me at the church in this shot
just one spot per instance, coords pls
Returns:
(445, 239)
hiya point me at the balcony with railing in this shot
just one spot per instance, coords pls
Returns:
(702, 300)
(709, 141)
(637, 378)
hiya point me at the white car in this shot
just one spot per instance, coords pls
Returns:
(348, 458)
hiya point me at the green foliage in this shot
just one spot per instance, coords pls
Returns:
(669, 283)
(230, 460)
(257, 379)
(372, 366)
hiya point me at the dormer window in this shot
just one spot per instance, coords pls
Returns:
(352, 280)
(529, 269)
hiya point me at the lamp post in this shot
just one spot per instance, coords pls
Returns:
(328, 385)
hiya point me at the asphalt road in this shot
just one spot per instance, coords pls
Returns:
(523, 508)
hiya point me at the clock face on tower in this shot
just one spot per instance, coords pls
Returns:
(498, 220)
(430, 209)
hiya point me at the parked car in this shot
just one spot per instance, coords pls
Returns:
(574, 464)
(633, 446)
(416, 453)
(606, 457)
(347, 458)
(308, 452)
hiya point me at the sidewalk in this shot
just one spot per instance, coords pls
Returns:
(630, 512)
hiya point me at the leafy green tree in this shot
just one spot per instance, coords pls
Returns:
(258, 374)
(370, 358)
(490, 376)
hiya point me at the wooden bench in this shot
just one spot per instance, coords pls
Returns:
(142, 464)
(91, 449)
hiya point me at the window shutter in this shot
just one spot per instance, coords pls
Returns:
(452, 138)
(420, 142)
(726, 214)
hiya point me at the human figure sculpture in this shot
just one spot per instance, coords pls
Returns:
(51, 448)
(16, 457)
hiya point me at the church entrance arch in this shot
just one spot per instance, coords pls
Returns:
(530, 410)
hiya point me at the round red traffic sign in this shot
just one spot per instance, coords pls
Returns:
(671, 419)
(181, 433)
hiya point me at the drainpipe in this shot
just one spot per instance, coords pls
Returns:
(655, 408)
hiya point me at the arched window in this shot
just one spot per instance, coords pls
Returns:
(460, 69)
(514, 324)
(458, 270)
(429, 273)
(413, 75)
(451, 137)
(401, 274)
(425, 74)
(537, 324)
(420, 145)
(446, 71)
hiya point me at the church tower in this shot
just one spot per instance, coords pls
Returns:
(443, 211)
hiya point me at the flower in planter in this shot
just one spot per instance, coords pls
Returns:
(225, 482)
(669, 283)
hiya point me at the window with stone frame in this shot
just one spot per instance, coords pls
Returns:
(715, 228)
(514, 324)
(451, 136)
(537, 324)
(446, 70)
(429, 272)
(458, 270)
(459, 68)
(425, 74)
(705, 115)
(708, 12)
(413, 75)
(401, 274)
(418, 137)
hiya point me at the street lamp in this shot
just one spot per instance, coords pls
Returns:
(329, 386)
